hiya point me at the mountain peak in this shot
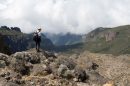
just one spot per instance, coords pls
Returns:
(17, 29)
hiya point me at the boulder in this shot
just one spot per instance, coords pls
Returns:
(41, 70)
(80, 74)
(66, 61)
(27, 56)
(2, 64)
(5, 58)
(69, 74)
(96, 78)
(62, 69)
(64, 72)
(19, 66)
(54, 68)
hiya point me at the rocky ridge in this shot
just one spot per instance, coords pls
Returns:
(29, 68)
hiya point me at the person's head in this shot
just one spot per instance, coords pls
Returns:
(39, 29)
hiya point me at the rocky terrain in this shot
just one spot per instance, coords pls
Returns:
(29, 68)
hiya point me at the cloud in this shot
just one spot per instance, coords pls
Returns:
(56, 16)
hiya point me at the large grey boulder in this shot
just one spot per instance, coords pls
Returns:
(5, 58)
(64, 72)
(2, 64)
(27, 57)
(70, 63)
(19, 66)
(41, 70)
(62, 69)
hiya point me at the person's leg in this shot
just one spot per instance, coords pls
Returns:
(36, 45)
(39, 46)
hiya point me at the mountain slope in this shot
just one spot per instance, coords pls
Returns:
(16, 41)
(105, 40)
(4, 48)
(109, 40)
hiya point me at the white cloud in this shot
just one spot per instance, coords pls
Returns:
(55, 16)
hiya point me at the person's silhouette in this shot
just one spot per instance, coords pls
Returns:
(37, 39)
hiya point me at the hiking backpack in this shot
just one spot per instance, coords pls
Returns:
(35, 36)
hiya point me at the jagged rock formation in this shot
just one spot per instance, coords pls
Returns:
(10, 28)
(4, 28)
(29, 68)
(16, 29)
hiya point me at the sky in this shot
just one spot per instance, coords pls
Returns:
(62, 16)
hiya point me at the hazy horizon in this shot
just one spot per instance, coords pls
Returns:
(62, 16)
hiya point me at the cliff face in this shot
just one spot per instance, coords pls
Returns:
(45, 68)
(110, 36)
(106, 33)
(4, 48)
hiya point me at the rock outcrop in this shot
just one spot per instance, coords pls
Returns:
(109, 36)
(31, 68)
(16, 29)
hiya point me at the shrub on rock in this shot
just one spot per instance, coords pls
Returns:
(66, 61)
(80, 74)
(19, 66)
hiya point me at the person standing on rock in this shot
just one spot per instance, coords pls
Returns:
(37, 39)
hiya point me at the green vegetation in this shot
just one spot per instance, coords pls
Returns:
(98, 44)
(119, 45)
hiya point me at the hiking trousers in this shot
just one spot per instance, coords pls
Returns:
(38, 46)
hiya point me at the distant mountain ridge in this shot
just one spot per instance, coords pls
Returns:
(107, 40)
(101, 40)
(64, 39)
